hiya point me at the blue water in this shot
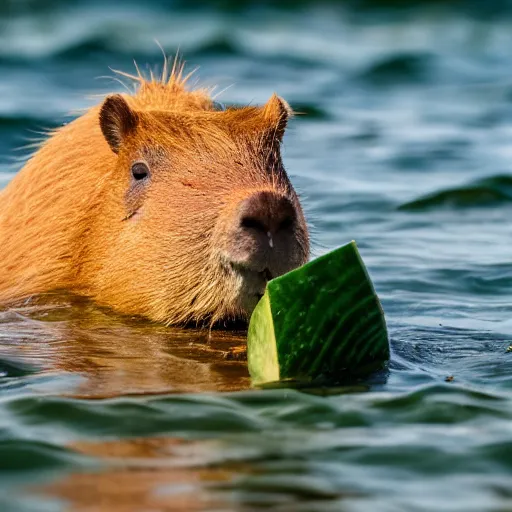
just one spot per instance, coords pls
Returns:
(405, 146)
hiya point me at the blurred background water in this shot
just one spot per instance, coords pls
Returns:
(405, 146)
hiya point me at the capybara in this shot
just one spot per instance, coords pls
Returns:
(158, 203)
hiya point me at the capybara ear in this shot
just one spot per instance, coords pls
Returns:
(277, 112)
(117, 120)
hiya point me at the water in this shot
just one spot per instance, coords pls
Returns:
(406, 147)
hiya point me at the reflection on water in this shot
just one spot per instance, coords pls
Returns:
(288, 451)
(144, 474)
(119, 356)
(173, 474)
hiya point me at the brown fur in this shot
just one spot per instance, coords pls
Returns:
(72, 219)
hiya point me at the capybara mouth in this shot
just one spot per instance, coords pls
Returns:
(252, 284)
(267, 274)
(264, 275)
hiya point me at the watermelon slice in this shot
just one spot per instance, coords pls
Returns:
(320, 322)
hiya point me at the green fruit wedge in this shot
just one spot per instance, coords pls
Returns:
(320, 322)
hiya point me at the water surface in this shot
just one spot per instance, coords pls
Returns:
(405, 145)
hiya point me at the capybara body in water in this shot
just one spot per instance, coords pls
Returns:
(159, 204)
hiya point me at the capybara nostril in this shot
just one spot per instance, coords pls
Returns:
(268, 212)
(253, 223)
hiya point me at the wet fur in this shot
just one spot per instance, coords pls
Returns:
(68, 222)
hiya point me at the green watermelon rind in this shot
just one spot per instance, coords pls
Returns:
(320, 321)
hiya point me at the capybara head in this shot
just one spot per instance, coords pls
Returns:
(201, 211)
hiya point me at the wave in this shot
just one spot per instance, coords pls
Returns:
(411, 68)
(14, 368)
(30, 455)
(93, 45)
(485, 192)
(496, 7)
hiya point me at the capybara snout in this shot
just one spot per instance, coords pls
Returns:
(266, 238)
(267, 234)
(165, 207)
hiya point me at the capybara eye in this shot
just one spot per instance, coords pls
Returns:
(140, 171)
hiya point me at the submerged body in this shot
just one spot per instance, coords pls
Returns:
(156, 204)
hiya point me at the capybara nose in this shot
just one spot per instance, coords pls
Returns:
(265, 235)
(267, 213)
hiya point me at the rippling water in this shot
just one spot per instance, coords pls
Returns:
(405, 146)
